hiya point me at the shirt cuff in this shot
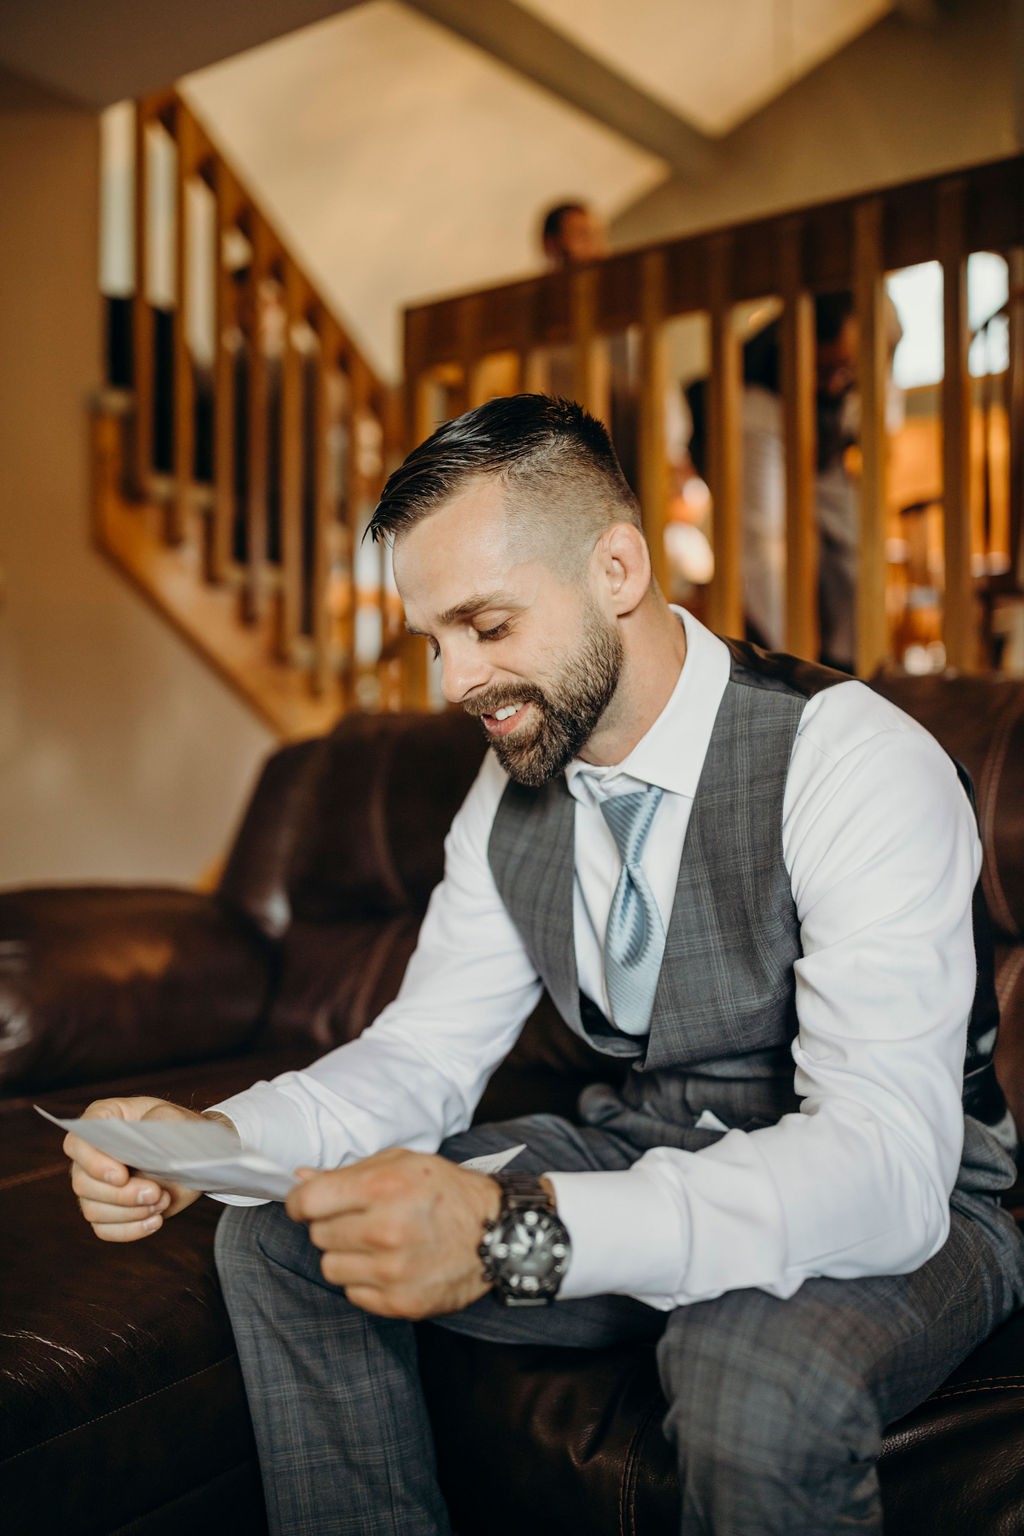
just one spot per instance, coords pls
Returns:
(268, 1121)
(629, 1236)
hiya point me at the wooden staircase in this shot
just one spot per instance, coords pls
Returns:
(572, 324)
(233, 484)
(234, 490)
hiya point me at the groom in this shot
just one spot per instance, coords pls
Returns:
(748, 882)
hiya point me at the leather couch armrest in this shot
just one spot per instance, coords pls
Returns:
(107, 981)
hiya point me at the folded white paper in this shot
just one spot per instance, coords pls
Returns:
(206, 1156)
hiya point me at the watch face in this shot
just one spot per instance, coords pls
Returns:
(529, 1252)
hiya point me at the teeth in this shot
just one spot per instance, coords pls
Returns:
(504, 714)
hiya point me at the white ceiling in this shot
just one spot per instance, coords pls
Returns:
(712, 61)
(403, 162)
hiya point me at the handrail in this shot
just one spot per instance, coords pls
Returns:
(303, 433)
(845, 245)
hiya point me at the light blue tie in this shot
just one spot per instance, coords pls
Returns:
(635, 938)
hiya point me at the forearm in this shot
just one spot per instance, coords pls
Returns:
(818, 1194)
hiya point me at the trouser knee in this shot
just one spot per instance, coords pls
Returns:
(768, 1403)
(248, 1238)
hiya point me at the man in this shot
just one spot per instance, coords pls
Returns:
(746, 880)
(572, 233)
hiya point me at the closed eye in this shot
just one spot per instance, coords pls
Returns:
(497, 633)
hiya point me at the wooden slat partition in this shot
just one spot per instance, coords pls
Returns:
(869, 272)
(269, 611)
(798, 389)
(229, 202)
(142, 314)
(653, 468)
(327, 332)
(290, 603)
(1015, 414)
(724, 467)
(958, 613)
(843, 246)
(187, 162)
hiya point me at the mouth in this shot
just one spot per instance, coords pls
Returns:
(504, 720)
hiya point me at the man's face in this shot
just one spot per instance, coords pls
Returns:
(530, 655)
(581, 237)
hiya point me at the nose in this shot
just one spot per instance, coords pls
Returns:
(463, 669)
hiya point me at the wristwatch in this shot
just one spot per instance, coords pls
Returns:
(525, 1251)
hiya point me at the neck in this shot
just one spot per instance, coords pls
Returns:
(654, 653)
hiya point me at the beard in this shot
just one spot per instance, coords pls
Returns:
(568, 710)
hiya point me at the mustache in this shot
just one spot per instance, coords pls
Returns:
(499, 698)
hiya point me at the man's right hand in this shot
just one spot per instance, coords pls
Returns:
(121, 1206)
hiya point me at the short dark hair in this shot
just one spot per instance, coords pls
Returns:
(551, 229)
(551, 455)
(831, 312)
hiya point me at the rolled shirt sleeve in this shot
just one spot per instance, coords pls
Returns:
(416, 1074)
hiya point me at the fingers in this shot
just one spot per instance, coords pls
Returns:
(121, 1206)
(120, 1224)
(94, 1163)
(321, 1195)
(385, 1178)
(134, 1192)
(128, 1231)
(360, 1233)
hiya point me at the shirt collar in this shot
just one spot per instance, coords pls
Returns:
(672, 752)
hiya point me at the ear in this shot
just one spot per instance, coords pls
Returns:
(623, 567)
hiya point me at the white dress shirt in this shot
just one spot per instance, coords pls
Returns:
(882, 852)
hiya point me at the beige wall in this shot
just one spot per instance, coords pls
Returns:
(121, 756)
(902, 101)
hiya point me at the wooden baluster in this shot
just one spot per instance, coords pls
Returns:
(324, 504)
(357, 497)
(798, 401)
(958, 606)
(872, 369)
(472, 360)
(291, 450)
(536, 374)
(229, 338)
(424, 409)
(725, 596)
(142, 314)
(653, 468)
(186, 158)
(591, 379)
(1015, 415)
(257, 436)
(412, 651)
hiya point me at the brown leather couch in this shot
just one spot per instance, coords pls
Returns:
(120, 1397)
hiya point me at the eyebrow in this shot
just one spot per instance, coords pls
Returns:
(478, 603)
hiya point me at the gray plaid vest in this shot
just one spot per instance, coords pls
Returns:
(724, 1010)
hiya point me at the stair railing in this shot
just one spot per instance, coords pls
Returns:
(236, 481)
(460, 350)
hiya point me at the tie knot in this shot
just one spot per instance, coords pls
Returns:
(629, 820)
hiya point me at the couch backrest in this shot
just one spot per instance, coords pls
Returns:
(980, 722)
(342, 844)
(336, 858)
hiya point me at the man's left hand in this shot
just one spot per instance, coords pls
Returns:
(399, 1231)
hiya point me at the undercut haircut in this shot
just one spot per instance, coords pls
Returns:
(553, 463)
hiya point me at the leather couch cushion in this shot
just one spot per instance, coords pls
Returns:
(383, 791)
(123, 979)
(980, 722)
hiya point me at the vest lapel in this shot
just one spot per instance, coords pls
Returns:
(531, 854)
